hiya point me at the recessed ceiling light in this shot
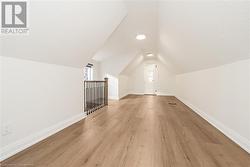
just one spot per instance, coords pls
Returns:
(140, 36)
(150, 55)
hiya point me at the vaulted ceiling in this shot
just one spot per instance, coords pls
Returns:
(65, 32)
(188, 35)
(141, 19)
(195, 35)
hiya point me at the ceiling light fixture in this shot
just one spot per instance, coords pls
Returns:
(140, 37)
(150, 55)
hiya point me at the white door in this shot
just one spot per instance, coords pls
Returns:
(150, 78)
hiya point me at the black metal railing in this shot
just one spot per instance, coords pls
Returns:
(95, 95)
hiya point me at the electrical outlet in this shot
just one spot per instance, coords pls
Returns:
(7, 130)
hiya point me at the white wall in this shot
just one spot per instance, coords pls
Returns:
(96, 70)
(165, 84)
(123, 86)
(118, 87)
(222, 96)
(113, 87)
(1, 97)
(39, 99)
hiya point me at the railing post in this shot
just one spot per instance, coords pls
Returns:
(84, 98)
(106, 91)
(95, 95)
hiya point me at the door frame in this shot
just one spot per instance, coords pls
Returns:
(155, 79)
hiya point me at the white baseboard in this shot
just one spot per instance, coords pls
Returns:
(24, 143)
(123, 96)
(113, 98)
(233, 135)
(164, 94)
(158, 94)
(136, 93)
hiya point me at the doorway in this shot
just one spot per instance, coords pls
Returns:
(150, 79)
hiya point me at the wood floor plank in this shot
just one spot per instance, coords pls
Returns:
(137, 131)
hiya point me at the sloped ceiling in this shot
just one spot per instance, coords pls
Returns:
(187, 35)
(141, 19)
(122, 46)
(140, 58)
(196, 35)
(65, 32)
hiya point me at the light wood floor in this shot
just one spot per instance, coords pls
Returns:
(138, 131)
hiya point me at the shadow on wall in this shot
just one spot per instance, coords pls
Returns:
(113, 87)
